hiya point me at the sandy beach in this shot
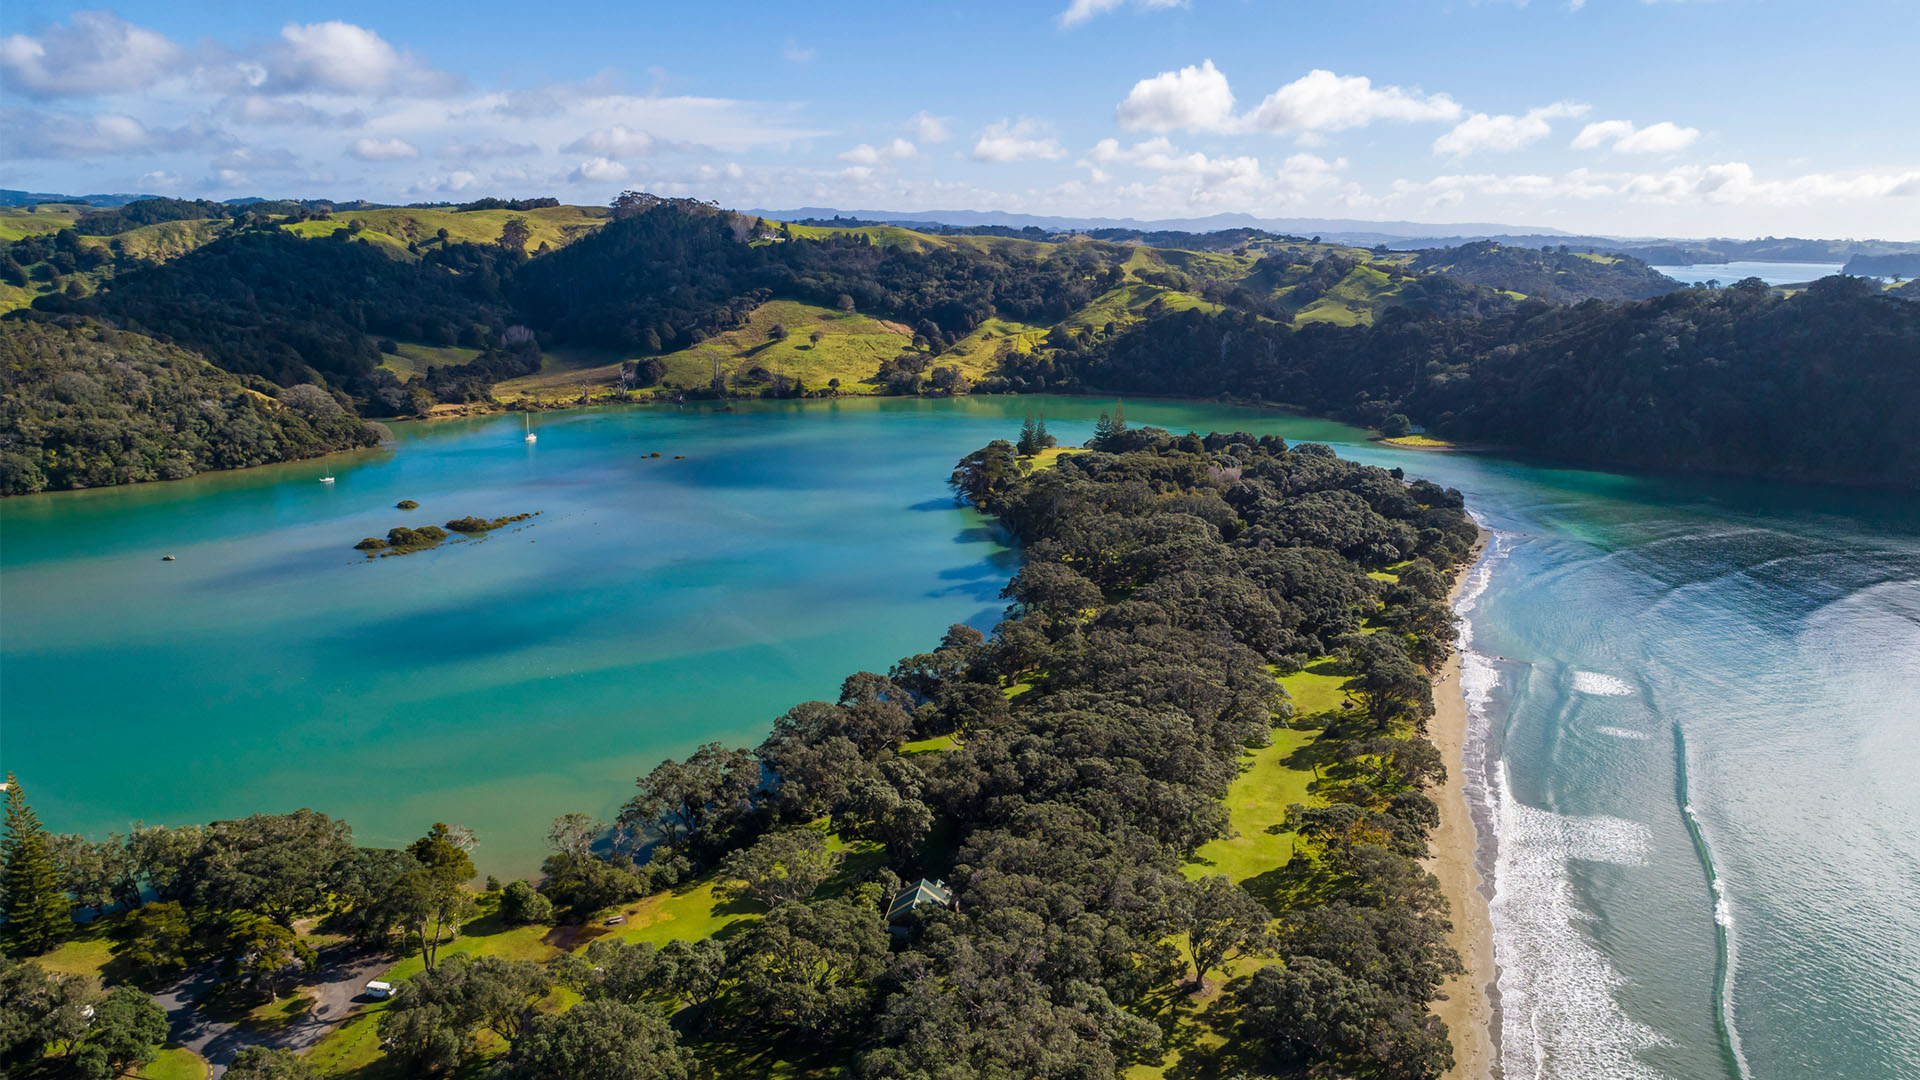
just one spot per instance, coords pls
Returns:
(1467, 1008)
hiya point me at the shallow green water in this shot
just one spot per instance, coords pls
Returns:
(1671, 678)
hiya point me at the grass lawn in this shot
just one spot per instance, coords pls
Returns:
(1315, 688)
(1196, 1033)
(85, 953)
(174, 1064)
(1048, 458)
(1419, 442)
(935, 745)
(1256, 804)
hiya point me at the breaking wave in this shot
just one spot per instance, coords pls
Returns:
(1592, 682)
(1560, 1020)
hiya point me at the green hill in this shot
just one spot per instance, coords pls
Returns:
(405, 310)
(1557, 275)
(90, 407)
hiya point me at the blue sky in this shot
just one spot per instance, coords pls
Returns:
(1677, 117)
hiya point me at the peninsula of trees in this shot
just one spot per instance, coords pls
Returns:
(1064, 779)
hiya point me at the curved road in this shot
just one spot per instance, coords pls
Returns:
(334, 987)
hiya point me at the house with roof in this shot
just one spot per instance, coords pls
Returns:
(910, 900)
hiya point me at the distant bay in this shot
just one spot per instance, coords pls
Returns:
(1773, 273)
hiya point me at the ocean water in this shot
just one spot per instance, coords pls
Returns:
(1773, 273)
(1696, 718)
(1695, 704)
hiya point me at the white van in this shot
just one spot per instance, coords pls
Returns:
(379, 991)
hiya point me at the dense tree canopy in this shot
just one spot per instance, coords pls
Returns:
(85, 406)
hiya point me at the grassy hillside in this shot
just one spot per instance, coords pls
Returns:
(20, 221)
(1354, 300)
(554, 226)
(413, 358)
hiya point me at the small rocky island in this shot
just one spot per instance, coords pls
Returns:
(402, 540)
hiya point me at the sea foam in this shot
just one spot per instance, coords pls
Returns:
(1623, 733)
(1559, 1019)
(1593, 682)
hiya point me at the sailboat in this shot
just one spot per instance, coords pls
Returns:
(326, 479)
(531, 437)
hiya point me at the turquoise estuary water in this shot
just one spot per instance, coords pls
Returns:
(1696, 704)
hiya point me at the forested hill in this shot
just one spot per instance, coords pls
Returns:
(402, 311)
(1817, 386)
(1553, 274)
(89, 407)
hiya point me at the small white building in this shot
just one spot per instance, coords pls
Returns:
(379, 991)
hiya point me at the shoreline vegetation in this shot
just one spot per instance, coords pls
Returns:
(1178, 801)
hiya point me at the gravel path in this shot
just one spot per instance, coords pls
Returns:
(334, 989)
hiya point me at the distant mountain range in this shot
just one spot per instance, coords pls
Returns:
(1394, 234)
(1338, 230)
(10, 197)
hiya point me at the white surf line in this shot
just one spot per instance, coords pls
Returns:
(1558, 1017)
(1562, 1022)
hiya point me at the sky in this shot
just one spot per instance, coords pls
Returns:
(1623, 117)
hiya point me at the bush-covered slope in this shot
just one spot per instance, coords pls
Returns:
(86, 406)
(267, 303)
(1555, 275)
(1818, 386)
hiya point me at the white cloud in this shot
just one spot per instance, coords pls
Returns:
(343, 58)
(455, 150)
(1019, 140)
(1732, 183)
(617, 141)
(864, 154)
(1505, 132)
(159, 180)
(928, 127)
(282, 112)
(1323, 101)
(1081, 10)
(382, 149)
(1191, 99)
(31, 133)
(1192, 180)
(458, 180)
(252, 159)
(796, 53)
(1665, 137)
(96, 53)
(598, 170)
